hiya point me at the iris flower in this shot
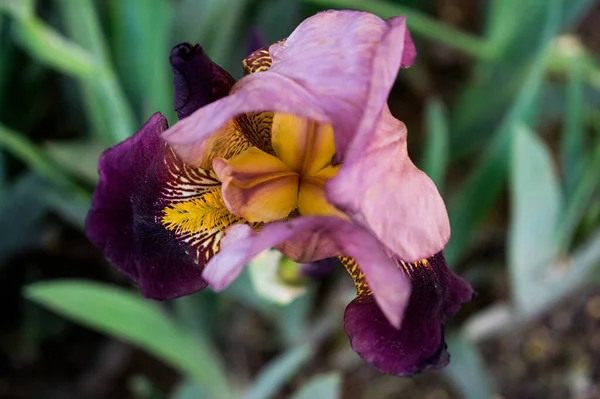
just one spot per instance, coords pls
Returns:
(302, 154)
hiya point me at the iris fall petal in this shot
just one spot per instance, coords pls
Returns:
(419, 344)
(124, 217)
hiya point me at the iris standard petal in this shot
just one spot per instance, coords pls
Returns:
(437, 294)
(241, 243)
(336, 68)
(124, 217)
(197, 79)
(390, 195)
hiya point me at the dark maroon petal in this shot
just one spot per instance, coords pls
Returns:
(198, 80)
(123, 219)
(437, 293)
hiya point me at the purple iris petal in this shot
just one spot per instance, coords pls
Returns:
(437, 293)
(198, 80)
(124, 217)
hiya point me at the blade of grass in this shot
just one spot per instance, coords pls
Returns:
(495, 84)
(435, 158)
(279, 371)
(141, 44)
(17, 145)
(420, 24)
(194, 17)
(112, 115)
(232, 36)
(326, 386)
(467, 370)
(573, 130)
(122, 314)
(49, 47)
(20, 211)
(482, 187)
(536, 203)
(78, 157)
(582, 196)
(502, 22)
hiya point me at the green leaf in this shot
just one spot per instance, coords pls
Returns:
(79, 157)
(141, 44)
(574, 129)
(140, 322)
(435, 159)
(536, 204)
(495, 84)
(420, 24)
(582, 196)
(276, 19)
(49, 47)
(279, 371)
(226, 47)
(20, 211)
(19, 8)
(111, 114)
(72, 209)
(327, 386)
(467, 370)
(293, 319)
(19, 146)
(194, 19)
(479, 192)
(187, 390)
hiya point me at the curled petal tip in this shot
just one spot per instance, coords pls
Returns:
(197, 79)
(184, 52)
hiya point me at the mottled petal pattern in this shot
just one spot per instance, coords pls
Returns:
(437, 294)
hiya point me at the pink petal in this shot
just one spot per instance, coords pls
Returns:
(389, 284)
(382, 189)
(337, 67)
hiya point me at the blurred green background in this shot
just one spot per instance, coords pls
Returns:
(502, 112)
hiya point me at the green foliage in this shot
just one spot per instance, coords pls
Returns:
(321, 387)
(279, 371)
(435, 159)
(138, 321)
(536, 202)
(112, 57)
(467, 367)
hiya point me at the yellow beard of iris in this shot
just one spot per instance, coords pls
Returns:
(261, 187)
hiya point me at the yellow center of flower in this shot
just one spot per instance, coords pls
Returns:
(261, 187)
